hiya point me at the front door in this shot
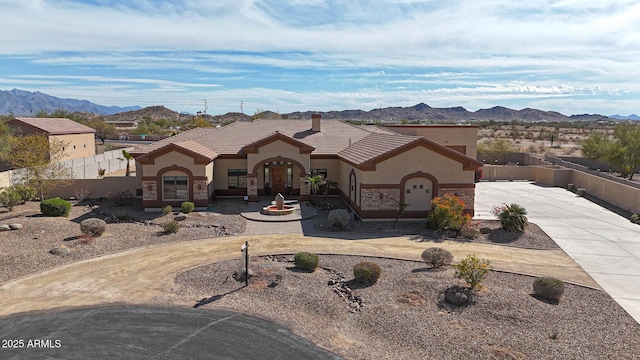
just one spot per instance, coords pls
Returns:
(278, 179)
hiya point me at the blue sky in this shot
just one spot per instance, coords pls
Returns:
(572, 56)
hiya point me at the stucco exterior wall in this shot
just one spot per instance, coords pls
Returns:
(343, 182)
(391, 171)
(76, 145)
(278, 149)
(171, 159)
(332, 166)
(620, 195)
(447, 135)
(221, 167)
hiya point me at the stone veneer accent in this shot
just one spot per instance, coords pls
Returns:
(305, 187)
(465, 194)
(149, 190)
(370, 199)
(202, 193)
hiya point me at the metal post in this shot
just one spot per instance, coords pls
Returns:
(246, 263)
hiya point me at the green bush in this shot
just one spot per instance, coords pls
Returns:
(27, 193)
(306, 261)
(187, 207)
(366, 272)
(436, 257)
(9, 198)
(167, 209)
(472, 270)
(447, 214)
(16, 195)
(635, 218)
(93, 227)
(513, 218)
(55, 207)
(171, 227)
(549, 288)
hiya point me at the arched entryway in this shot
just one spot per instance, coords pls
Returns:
(278, 175)
(417, 191)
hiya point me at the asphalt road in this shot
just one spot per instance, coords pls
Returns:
(130, 332)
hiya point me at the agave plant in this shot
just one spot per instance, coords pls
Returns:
(513, 218)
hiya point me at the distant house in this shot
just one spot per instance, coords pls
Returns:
(79, 139)
(376, 168)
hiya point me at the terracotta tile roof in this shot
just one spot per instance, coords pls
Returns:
(193, 146)
(55, 126)
(373, 146)
(377, 147)
(230, 139)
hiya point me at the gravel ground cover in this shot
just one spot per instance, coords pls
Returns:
(533, 238)
(27, 250)
(404, 315)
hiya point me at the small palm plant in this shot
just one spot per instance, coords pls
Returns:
(513, 218)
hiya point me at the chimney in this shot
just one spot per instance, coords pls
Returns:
(315, 122)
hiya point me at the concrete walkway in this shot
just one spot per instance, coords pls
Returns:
(604, 244)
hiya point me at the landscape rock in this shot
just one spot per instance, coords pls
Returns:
(485, 230)
(5, 227)
(180, 217)
(456, 296)
(60, 250)
(15, 226)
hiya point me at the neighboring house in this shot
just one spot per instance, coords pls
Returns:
(376, 169)
(79, 139)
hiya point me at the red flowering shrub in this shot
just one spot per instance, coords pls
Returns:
(447, 214)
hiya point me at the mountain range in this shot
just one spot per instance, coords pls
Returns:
(25, 103)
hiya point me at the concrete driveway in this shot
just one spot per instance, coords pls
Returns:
(604, 244)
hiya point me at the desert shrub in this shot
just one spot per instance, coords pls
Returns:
(306, 261)
(470, 230)
(472, 270)
(635, 218)
(55, 207)
(93, 227)
(122, 198)
(167, 209)
(447, 214)
(436, 257)
(339, 219)
(187, 207)
(366, 272)
(549, 288)
(27, 193)
(122, 217)
(9, 198)
(512, 217)
(81, 194)
(171, 227)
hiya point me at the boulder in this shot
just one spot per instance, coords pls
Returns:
(180, 217)
(15, 226)
(5, 227)
(457, 296)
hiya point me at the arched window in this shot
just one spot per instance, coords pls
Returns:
(175, 188)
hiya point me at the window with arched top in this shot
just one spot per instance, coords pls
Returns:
(175, 188)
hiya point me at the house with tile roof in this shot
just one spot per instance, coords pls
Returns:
(79, 139)
(375, 168)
